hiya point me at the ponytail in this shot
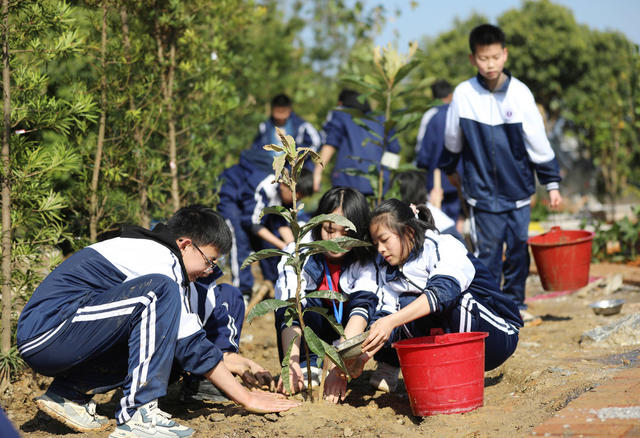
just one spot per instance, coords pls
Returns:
(400, 217)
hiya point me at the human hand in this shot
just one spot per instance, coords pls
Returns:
(258, 377)
(317, 179)
(295, 379)
(355, 366)
(335, 386)
(379, 333)
(555, 198)
(260, 402)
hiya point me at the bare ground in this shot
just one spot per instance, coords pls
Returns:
(550, 368)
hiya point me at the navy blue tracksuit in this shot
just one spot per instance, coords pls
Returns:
(355, 150)
(430, 143)
(116, 313)
(462, 297)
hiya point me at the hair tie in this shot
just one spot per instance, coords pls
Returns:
(414, 209)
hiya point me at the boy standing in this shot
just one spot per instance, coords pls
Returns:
(493, 122)
(117, 314)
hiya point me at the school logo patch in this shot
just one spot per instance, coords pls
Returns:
(508, 114)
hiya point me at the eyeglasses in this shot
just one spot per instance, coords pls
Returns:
(210, 264)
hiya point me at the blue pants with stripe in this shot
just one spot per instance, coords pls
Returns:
(490, 231)
(468, 316)
(125, 336)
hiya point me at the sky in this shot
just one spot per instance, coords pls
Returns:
(432, 17)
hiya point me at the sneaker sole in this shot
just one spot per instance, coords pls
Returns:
(44, 407)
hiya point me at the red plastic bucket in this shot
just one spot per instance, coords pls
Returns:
(562, 258)
(443, 374)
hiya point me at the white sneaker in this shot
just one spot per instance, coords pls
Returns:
(81, 418)
(385, 377)
(151, 422)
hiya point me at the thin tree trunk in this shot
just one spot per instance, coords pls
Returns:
(6, 185)
(143, 196)
(167, 89)
(173, 154)
(93, 205)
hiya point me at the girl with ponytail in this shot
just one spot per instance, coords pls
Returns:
(429, 281)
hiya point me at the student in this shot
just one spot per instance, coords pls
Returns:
(271, 230)
(429, 146)
(429, 280)
(494, 125)
(349, 273)
(413, 191)
(230, 206)
(220, 308)
(283, 117)
(353, 144)
(117, 314)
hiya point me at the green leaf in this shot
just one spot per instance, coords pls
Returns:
(335, 218)
(263, 254)
(330, 318)
(326, 294)
(285, 365)
(279, 210)
(278, 164)
(314, 342)
(273, 147)
(266, 306)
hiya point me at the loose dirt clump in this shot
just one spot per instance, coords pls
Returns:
(550, 368)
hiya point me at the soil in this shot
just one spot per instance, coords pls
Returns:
(550, 368)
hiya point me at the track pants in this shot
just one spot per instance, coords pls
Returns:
(489, 232)
(468, 316)
(125, 336)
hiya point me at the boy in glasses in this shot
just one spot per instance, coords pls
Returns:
(117, 314)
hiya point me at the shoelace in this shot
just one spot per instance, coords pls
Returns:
(165, 417)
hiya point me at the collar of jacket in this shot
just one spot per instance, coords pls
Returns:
(503, 88)
(393, 272)
(314, 268)
(160, 234)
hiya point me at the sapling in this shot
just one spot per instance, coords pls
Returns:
(287, 166)
(381, 84)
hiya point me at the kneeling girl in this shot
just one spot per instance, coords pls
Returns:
(429, 281)
(349, 273)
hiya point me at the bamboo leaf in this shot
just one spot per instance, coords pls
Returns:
(266, 306)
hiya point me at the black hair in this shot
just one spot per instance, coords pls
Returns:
(281, 100)
(400, 218)
(441, 89)
(350, 99)
(413, 186)
(202, 225)
(354, 207)
(304, 187)
(484, 35)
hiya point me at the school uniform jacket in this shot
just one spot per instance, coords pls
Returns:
(355, 149)
(260, 192)
(103, 265)
(502, 140)
(303, 132)
(357, 282)
(445, 272)
(220, 308)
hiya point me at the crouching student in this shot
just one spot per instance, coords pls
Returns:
(117, 314)
(220, 308)
(271, 230)
(429, 280)
(350, 273)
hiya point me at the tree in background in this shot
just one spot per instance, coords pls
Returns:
(36, 132)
